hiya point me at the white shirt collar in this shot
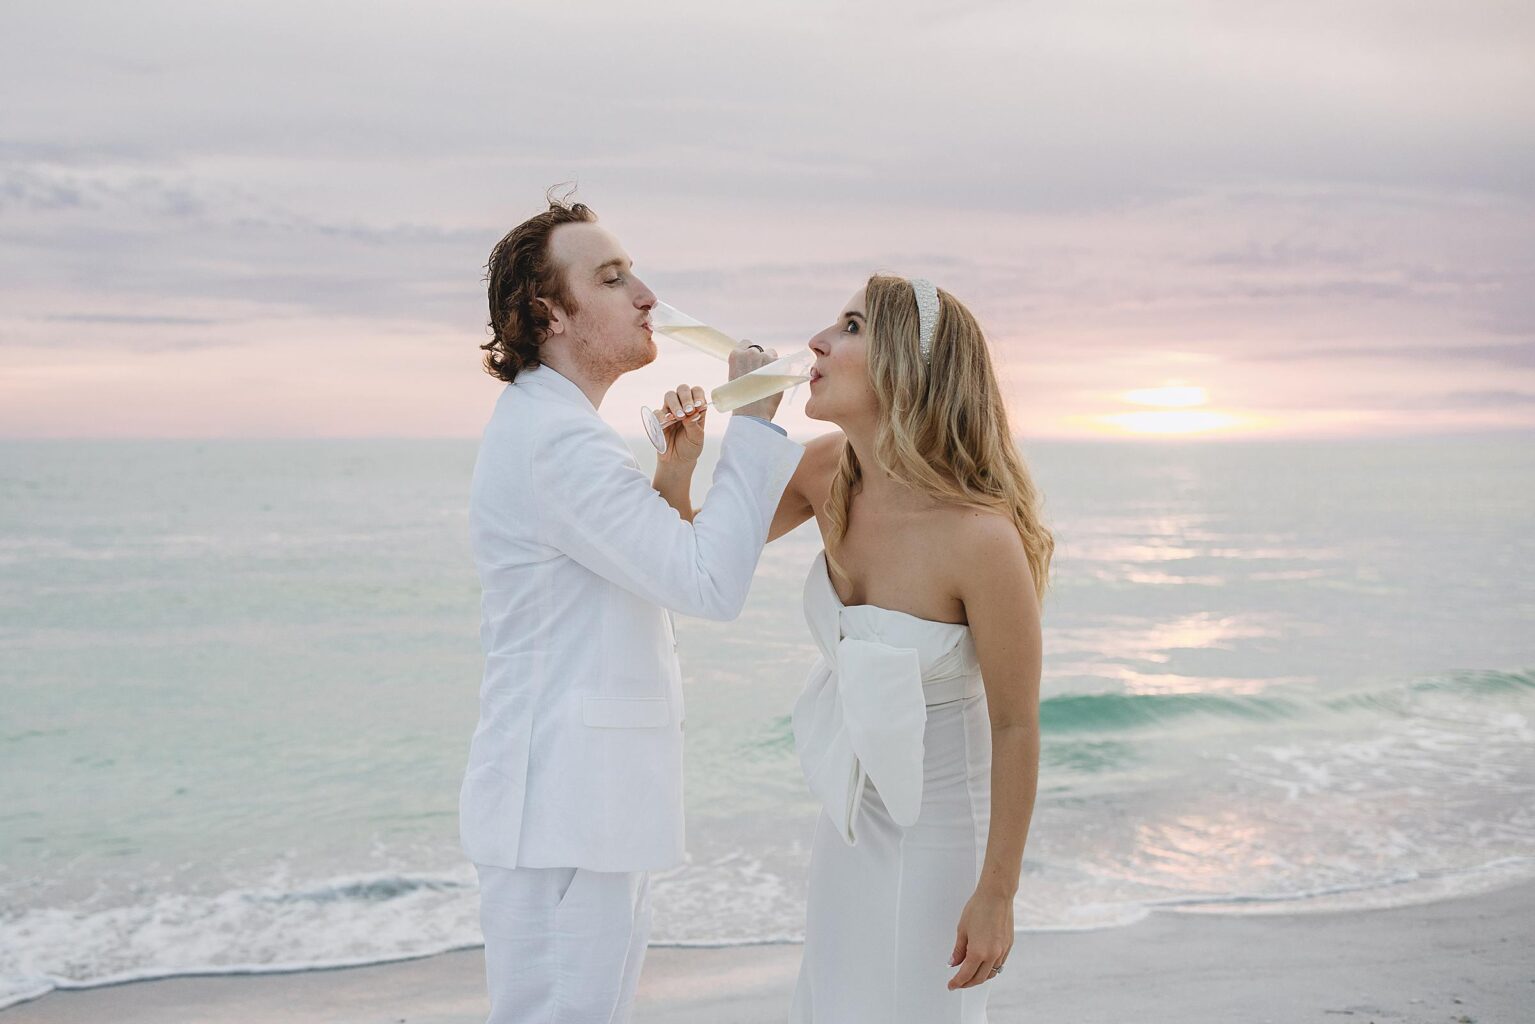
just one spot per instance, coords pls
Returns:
(546, 376)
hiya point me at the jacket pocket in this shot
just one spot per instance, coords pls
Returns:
(626, 712)
(490, 815)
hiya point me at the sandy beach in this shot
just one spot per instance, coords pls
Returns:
(1456, 961)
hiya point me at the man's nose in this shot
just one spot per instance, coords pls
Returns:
(646, 298)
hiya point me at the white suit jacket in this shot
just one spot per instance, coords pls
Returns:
(577, 759)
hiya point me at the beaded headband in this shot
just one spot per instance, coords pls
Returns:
(927, 314)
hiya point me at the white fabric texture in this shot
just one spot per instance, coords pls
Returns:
(577, 757)
(906, 806)
(563, 945)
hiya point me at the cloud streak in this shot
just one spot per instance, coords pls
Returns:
(1263, 197)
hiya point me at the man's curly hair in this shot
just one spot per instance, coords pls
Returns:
(518, 273)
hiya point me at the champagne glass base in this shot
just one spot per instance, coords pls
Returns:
(653, 430)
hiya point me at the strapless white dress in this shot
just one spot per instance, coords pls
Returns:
(894, 739)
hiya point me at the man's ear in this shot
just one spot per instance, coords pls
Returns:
(555, 314)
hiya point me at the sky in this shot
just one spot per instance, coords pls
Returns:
(1194, 220)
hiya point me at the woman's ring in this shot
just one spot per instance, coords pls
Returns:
(997, 969)
(759, 348)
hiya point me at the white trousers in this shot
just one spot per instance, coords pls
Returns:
(563, 945)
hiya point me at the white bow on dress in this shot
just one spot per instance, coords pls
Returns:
(862, 714)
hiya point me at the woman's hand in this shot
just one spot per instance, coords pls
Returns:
(745, 359)
(685, 429)
(985, 939)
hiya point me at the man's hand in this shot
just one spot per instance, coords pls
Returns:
(684, 429)
(745, 359)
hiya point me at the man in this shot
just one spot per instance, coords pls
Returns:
(573, 792)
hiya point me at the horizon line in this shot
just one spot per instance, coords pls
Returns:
(1106, 439)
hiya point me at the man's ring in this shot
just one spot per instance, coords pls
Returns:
(759, 348)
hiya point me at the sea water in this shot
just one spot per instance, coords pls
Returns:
(238, 680)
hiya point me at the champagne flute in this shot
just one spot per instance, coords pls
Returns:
(678, 326)
(781, 374)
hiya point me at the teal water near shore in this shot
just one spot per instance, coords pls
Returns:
(237, 681)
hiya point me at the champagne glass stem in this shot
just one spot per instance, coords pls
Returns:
(770, 379)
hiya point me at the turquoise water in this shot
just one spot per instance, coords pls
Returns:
(237, 682)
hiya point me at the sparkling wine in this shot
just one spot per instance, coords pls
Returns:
(748, 388)
(701, 336)
(779, 375)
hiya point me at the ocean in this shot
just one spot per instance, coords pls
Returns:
(238, 680)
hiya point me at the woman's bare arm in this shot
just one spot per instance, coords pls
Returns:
(995, 584)
(808, 486)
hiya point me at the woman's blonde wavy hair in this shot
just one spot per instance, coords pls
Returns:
(943, 427)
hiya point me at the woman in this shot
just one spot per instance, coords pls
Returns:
(919, 727)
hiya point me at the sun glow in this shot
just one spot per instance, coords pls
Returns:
(1176, 408)
(1178, 396)
(1190, 421)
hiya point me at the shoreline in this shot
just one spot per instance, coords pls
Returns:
(1470, 957)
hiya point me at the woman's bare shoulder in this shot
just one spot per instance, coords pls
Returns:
(819, 463)
(811, 483)
(825, 450)
(979, 536)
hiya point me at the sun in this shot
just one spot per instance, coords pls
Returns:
(1176, 408)
(1190, 421)
(1179, 396)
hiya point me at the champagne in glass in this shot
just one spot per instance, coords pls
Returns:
(678, 326)
(781, 374)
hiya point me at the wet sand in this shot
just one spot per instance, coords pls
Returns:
(1466, 960)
